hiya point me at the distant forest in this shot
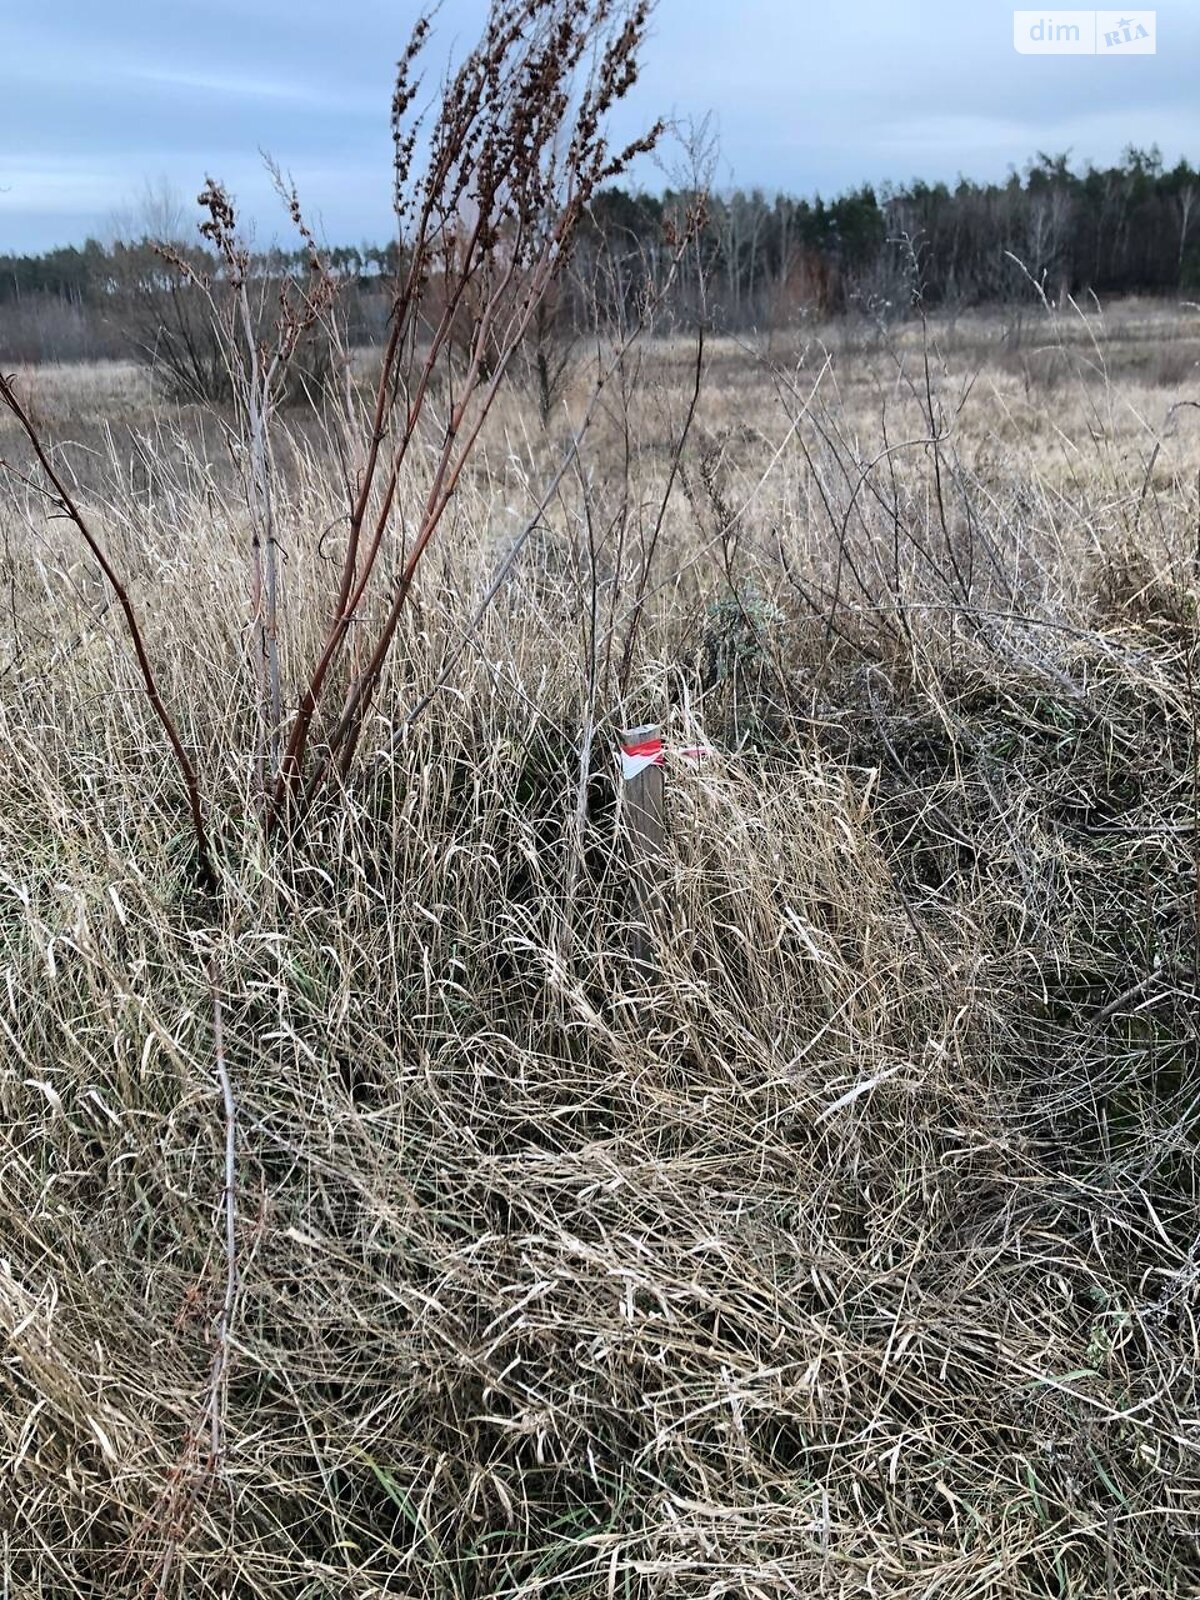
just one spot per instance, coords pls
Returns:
(764, 261)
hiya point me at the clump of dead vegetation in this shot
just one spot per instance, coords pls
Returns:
(381, 1218)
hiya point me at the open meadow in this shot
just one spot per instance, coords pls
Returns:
(442, 1200)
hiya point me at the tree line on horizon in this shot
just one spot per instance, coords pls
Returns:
(762, 261)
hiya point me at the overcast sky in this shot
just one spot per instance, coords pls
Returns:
(102, 95)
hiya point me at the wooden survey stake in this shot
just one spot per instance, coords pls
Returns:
(642, 759)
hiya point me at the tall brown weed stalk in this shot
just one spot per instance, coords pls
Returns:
(488, 196)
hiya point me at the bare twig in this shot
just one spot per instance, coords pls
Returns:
(205, 869)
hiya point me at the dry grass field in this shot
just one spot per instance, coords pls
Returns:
(396, 1219)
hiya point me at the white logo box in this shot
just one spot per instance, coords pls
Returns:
(1085, 33)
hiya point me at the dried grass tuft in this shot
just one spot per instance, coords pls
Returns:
(847, 1246)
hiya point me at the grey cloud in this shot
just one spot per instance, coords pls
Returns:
(808, 95)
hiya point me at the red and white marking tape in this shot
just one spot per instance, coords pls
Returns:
(644, 748)
(638, 753)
